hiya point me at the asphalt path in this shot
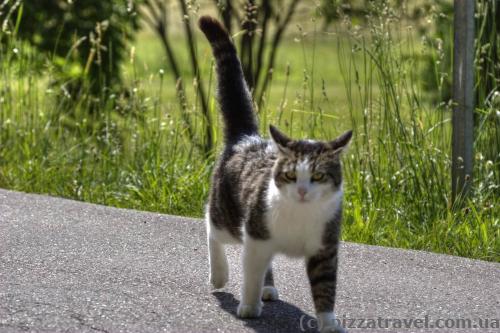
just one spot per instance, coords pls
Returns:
(67, 266)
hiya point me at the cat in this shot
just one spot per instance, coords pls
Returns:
(274, 196)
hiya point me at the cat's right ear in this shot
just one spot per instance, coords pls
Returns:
(281, 140)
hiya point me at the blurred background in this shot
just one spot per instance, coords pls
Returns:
(112, 102)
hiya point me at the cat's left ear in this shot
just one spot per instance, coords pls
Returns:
(280, 139)
(340, 143)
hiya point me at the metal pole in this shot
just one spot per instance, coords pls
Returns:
(463, 98)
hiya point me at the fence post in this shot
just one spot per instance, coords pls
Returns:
(463, 98)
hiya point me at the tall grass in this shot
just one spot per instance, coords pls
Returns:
(399, 167)
(135, 152)
(52, 144)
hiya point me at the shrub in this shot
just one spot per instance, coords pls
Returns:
(86, 40)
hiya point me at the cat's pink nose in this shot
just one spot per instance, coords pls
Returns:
(302, 192)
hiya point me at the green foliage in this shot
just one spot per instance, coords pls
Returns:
(400, 164)
(439, 37)
(487, 50)
(82, 39)
(331, 10)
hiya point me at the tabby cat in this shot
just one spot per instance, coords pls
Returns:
(274, 196)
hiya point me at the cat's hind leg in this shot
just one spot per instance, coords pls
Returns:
(269, 293)
(219, 268)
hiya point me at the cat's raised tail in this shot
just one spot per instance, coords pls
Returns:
(233, 95)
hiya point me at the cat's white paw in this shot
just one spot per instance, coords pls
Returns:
(249, 310)
(329, 324)
(333, 329)
(219, 278)
(270, 293)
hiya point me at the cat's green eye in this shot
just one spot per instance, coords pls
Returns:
(290, 175)
(318, 176)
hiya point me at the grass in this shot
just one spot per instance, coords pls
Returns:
(292, 71)
(397, 170)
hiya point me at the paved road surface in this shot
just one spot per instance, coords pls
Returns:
(67, 266)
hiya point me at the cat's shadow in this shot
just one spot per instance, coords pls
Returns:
(277, 316)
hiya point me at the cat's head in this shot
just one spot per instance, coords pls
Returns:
(306, 170)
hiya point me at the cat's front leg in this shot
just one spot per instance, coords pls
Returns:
(256, 258)
(322, 273)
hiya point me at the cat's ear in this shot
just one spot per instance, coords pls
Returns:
(341, 142)
(280, 139)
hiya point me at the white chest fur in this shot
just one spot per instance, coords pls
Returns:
(297, 228)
